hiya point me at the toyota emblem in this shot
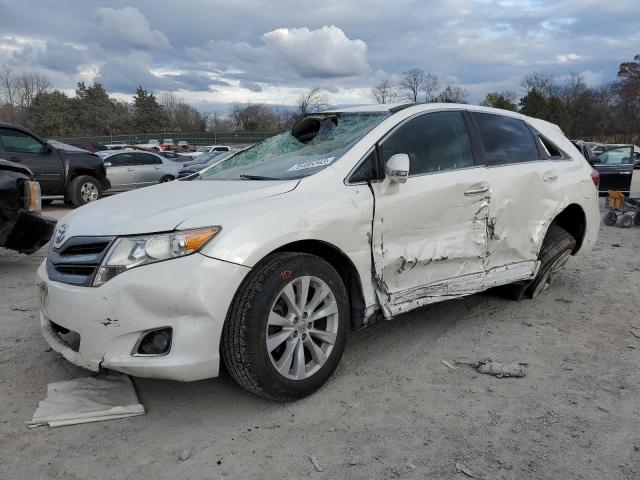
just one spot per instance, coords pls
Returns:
(60, 233)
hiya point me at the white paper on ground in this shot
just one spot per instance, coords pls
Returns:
(88, 399)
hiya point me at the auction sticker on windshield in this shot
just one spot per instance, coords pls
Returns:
(311, 164)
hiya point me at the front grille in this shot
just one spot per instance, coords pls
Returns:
(76, 269)
(77, 260)
(84, 249)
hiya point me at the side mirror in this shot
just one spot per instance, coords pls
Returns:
(397, 168)
(107, 164)
(47, 148)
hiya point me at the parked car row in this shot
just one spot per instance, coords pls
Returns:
(614, 162)
(128, 169)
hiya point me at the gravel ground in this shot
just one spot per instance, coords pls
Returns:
(392, 410)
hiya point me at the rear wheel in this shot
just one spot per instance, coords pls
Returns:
(46, 202)
(166, 178)
(556, 250)
(82, 190)
(286, 329)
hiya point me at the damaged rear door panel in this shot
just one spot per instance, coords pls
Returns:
(430, 233)
(528, 189)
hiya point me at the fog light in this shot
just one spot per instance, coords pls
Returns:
(156, 342)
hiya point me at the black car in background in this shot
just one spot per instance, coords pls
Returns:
(615, 166)
(63, 171)
(22, 228)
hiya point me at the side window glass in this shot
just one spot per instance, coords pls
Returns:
(19, 142)
(121, 160)
(434, 142)
(368, 169)
(549, 149)
(146, 159)
(506, 140)
(616, 156)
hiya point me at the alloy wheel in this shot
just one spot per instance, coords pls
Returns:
(89, 192)
(302, 328)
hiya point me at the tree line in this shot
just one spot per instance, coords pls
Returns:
(610, 111)
(26, 98)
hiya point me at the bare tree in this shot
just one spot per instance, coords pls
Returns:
(169, 102)
(412, 83)
(8, 87)
(430, 87)
(542, 82)
(452, 94)
(29, 84)
(384, 92)
(312, 100)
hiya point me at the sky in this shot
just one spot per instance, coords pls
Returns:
(211, 53)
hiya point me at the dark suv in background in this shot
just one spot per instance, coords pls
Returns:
(63, 171)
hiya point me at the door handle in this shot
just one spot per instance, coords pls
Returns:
(550, 176)
(477, 189)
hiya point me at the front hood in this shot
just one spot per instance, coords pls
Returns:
(163, 207)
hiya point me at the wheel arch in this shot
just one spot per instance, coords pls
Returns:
(573, 220)
(343, 265)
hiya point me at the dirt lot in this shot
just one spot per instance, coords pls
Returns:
(392, 410)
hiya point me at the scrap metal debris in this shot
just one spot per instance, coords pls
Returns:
(500, 370)
(448, 364)
(462, 469)
(87, 399)
(315, 463)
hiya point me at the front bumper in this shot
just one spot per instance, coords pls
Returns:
(191, 295)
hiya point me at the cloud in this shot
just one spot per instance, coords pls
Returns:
(253, 86)
(326, 52)
(61, 57)
(129, 27)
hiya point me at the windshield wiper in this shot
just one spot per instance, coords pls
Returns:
(257, 177)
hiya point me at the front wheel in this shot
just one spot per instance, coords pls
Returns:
(286, 328)
(82, 190)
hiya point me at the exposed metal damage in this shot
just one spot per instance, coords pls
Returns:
(472, 245)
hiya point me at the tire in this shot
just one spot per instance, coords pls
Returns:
(556, 250)
(260, 314)
(610, 218)
(166, 178)
(626, 221)
(82, 190)
(636, 219)
(46, 202)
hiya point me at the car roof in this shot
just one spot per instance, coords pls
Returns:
(108, 153)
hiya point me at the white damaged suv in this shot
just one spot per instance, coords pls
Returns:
(266, 260)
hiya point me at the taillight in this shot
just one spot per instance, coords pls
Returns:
(595, 176)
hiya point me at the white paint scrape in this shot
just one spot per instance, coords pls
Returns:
(88, 399)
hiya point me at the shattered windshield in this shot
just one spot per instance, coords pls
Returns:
(312, 144)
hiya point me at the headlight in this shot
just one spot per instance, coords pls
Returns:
(130, 252)
(33, 198)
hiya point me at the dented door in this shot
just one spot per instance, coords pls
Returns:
(430, 233)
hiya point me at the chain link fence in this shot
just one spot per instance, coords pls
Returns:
(192, 138)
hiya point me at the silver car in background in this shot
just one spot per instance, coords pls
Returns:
(129, 169)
